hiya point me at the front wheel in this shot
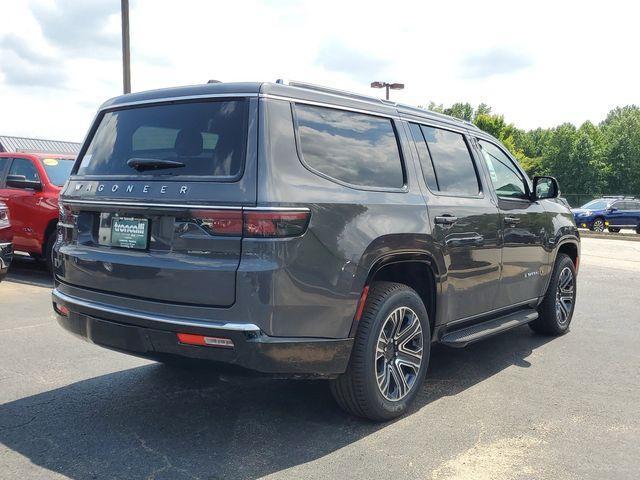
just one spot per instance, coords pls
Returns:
(390, 354)
(598, 225)
(556, 310)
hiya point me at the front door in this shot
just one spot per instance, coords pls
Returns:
(464, 221)
(23, 205)
(524, 229)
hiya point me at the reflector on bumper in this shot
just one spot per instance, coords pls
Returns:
(201, 340)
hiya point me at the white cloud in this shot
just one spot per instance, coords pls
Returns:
(540, 63)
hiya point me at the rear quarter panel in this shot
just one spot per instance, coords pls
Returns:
(310, 286)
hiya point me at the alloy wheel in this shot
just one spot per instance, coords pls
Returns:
(598, 225)
(398, 355)
(565, 296)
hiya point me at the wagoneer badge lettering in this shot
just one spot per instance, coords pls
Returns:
(183, 189)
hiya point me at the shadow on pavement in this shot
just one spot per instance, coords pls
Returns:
(29, 272)
(158, 422)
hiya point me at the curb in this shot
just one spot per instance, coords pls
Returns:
(629, 237)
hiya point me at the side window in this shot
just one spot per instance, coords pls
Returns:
(504, 174)
(22, 166)
(352, 147)
(3, 166)
(425, 159)
(453, 165)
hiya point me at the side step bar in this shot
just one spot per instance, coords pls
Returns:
(464, 336)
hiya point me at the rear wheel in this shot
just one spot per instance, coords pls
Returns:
(556, 310)
(390, 354)
(613, 230)
(598, 225)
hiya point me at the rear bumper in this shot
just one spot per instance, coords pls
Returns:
(155, 337)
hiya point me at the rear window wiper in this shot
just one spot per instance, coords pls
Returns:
(141, 164)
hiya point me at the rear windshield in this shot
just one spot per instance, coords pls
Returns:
(185, 139)
(58, 169)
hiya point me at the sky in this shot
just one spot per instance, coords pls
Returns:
(539, 63)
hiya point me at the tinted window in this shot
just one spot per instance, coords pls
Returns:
(504, 175)
(355, 148)
(425, 158)
(3, 165)
(207, 137)
(58, 169)
(22, 166)
(452, 161)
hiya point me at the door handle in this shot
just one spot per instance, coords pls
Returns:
(511, 220)
(446, 220)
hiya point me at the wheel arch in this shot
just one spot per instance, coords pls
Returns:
(416, 269)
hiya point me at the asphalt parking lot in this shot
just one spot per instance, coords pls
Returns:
(517, 406)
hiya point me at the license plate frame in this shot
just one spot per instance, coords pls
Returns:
(129, 232)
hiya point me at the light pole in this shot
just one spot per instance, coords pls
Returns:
(126, 54)
(387, 87)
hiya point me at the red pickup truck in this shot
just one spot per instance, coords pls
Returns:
(29, 186)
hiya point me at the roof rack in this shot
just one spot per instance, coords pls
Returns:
(333, 91)
(368, 98)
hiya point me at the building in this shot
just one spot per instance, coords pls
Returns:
(37, 145)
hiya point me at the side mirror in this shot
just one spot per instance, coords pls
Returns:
(545, 187)
(20, 181)
(612, 209)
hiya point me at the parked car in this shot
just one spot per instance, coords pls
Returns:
(613, 213)
(6, 239)
(304, 231)
(30, 185)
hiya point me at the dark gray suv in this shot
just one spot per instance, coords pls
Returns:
(308, 232)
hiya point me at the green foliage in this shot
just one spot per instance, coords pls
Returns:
(589, 160)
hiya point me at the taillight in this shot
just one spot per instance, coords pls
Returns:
(220, 222)
(67, 218)
(253, 223)
(275, 224)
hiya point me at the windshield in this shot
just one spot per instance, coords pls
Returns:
(596, 205)
(58, 169)
(189, 138)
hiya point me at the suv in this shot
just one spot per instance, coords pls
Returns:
(30, 185)
(302, 231)
(613, 213)
(6, 237)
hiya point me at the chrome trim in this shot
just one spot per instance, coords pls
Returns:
(108, 203)
(176, 99)
(239, 327)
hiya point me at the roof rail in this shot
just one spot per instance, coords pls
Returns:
(333, 91)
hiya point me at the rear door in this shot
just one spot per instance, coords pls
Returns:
(524, 228)
(464, 220)
(154, 210)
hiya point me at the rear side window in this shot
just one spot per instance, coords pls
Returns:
(455, 172)
(197, 138)
(351, 147)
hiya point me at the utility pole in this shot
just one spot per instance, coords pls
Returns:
(126, 49)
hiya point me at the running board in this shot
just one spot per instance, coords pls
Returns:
(464, 336)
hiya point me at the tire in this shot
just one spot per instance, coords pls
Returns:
(613, 230)
(556, 310)
(598, 225)
(357, 390)
(638, 229)
(48, 251)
